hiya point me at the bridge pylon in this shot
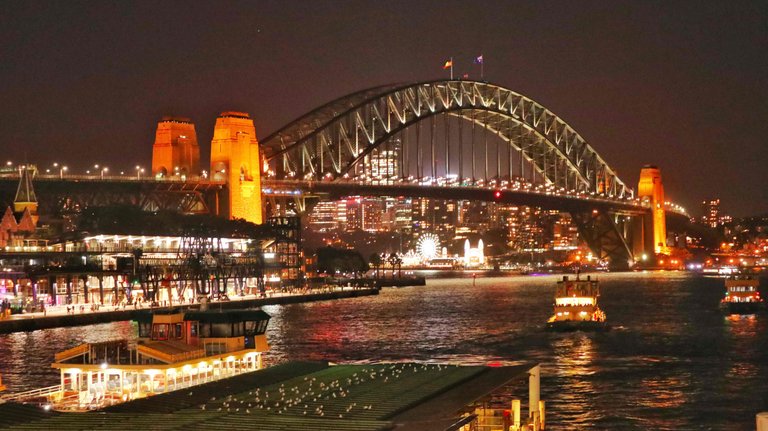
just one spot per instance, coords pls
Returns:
(651, 229)
(235, 159)
(175, 151)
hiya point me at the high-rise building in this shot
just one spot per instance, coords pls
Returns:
(372, 210)
(353, 214)
(382, 164)
(711, 210)
(325, 216)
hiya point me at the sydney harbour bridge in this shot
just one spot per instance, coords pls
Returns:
(446, 139)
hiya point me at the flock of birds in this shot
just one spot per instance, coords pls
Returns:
(316, 398)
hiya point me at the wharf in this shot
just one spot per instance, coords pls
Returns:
(316, 396)
(35, 321)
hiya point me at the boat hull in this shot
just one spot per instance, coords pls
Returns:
(577, 325)
(741, 307)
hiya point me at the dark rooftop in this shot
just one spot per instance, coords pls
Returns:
(298, 396)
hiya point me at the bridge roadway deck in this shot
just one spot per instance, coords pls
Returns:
(553, 201)
(53, 185)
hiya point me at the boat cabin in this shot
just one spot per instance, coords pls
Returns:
(742, 289)
(173, 351)
(577, 299)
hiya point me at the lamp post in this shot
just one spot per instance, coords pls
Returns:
(61, 172)
(139, 171)
(104, 169)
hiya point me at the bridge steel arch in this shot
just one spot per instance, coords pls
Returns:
(329, 141)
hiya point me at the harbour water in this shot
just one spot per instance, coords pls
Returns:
(673, 361)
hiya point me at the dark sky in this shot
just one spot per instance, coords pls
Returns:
(683, 85)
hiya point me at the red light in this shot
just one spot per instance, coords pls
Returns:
(497, 194)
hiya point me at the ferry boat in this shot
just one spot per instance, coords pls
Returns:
(2, 386)
(576, 306)
(174, 351)
(741, 295)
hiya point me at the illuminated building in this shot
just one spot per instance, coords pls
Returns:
(474, 257)
(175, 151)
(381, 165)
(354, 214)
(325, 216)
(371, 210)
(17, 225)
(712, 216)
(235, 159)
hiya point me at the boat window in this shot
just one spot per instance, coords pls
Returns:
(237, 329)
(250, 327)
(178, 331)
(221, 329)
(160, 331)
(205, 330)
(262, 326)
(145, 329)
(193, 329)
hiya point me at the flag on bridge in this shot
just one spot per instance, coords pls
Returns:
(449, 65)
(479, 60)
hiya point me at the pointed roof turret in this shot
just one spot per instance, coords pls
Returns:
(8, 222)
(28, 222)
(25, 193)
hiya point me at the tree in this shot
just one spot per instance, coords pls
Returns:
(375, 261)
(394, 260)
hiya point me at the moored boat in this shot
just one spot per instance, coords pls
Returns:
(742, 296)
(174, 351)
(576, 306)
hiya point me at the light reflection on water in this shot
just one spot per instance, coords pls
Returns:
(673, 361)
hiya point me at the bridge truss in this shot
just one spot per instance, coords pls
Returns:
(476, 133)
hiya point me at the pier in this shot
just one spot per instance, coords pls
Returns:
(321, 396)
(59, 318)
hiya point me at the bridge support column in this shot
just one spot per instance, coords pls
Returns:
(602, 233)
(651, 192)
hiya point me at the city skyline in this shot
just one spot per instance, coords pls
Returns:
(677, 86)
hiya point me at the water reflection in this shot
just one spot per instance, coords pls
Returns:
(675, 363)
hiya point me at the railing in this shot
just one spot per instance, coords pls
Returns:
(71, 353)
(34, 393)
(168, 357)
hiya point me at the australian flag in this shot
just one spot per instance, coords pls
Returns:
(479, 59)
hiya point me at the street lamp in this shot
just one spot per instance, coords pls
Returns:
(61, 171)
(104, 169)
(139, 171)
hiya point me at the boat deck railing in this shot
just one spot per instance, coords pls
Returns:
(31, 394)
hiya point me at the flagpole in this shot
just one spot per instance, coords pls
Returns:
(482, 67)
(451, 68)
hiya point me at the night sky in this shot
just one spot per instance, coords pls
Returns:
(683, 85)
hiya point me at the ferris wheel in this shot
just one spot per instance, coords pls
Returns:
(428, 246)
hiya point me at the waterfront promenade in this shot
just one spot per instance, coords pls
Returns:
(87, 314)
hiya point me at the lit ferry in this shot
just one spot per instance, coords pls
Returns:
(174, 351)
(2, 386)
(576, 306)
(741, 295)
